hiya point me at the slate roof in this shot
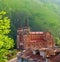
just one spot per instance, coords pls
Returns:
(28, 54)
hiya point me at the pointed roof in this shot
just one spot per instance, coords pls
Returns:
(26, 23)
(19, 25)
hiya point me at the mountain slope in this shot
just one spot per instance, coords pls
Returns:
(42, 14)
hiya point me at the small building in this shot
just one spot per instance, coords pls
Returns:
(29, 56)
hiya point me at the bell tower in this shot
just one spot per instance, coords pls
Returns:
(20, 37)
(26, 32)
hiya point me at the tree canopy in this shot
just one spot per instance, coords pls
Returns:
(6, 42)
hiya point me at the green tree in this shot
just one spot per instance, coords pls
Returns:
(6, 43)
(57, 41)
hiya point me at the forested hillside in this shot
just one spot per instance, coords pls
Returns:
(43, 15)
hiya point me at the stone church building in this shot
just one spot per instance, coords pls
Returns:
(27, 39)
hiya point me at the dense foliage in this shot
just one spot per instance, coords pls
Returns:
(6, 43)
(43, 15)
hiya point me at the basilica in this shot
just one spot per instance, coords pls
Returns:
(27, 39)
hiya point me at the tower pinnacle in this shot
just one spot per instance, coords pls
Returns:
(26, 23)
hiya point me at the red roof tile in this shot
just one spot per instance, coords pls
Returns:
(35, 57)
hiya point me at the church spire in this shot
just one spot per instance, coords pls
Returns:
(19, 24)
(26, 23)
